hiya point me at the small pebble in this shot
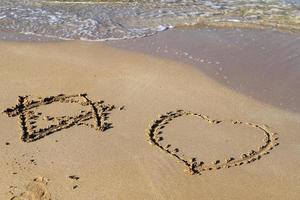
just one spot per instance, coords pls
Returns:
(74, 177)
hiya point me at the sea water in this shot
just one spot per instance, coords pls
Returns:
(111, 19)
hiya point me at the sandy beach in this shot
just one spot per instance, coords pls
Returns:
(82, 120)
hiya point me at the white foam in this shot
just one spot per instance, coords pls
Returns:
(111, 21)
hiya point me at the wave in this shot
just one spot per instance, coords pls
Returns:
(120, 19)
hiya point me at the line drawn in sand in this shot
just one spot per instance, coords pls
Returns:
(156, 131)
(95, 115)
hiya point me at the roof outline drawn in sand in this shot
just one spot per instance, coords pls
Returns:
(98, 112)
(156, 131)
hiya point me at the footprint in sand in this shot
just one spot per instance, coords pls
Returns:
(35, 190)
(94, 115)
(155, 134)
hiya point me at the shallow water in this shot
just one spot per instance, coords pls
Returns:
(111, 19)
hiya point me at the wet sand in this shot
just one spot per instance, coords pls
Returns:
(262, 64)
(135, 127)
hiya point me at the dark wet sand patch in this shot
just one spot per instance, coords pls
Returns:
(262, 64)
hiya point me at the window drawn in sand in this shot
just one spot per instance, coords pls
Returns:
(156, 136)
(94, 114)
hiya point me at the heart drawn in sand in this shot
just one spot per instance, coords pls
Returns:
(193, 165)
(93, 114)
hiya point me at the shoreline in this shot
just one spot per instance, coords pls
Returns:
(185, 50)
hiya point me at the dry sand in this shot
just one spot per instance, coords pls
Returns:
(77, 160)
